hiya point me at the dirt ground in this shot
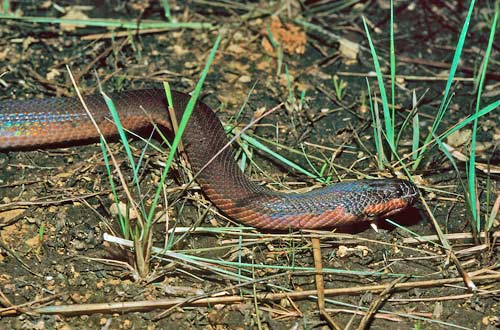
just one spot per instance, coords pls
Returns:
(56, 204)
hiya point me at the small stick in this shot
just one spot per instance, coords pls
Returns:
(147, 305)
(320, 285)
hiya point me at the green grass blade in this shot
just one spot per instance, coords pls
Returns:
(121, 218)
(123, 138)
(443, 107)
(5, 6)
(392, 62)
(482, 112)
(121, 131)
(166, 9)
(416, 131)
(450, 157)
(257, 144)
(472, 159)
(388, 120)
(182, 125)
(111, 23)
(377, 134)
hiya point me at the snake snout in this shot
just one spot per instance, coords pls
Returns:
(399, 188)
(408, 190)
(403, 190)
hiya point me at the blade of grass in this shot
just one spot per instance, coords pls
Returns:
(484, 111)
(444, 104)
(416, 131)
(256, 144)
(377, 134)
(388, 120)
(472, 157)
(126, 145)
(124, 224)
(121, 131)
(105, 145)
(166, 9)
(111, 23)
(182, 125)
(450, 157)
(5, 6)
(392, 63)
(411, 115)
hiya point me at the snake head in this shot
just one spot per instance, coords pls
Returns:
(388, 197)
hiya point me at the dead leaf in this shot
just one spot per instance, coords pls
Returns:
(113, 209)
(235, 49)
(52, 74)
(179, 50)
(244, 79)
(8, 215)
(33, 242)
(349, 51)
(75, 13)
(459, 138)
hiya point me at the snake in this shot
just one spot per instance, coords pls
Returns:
(52, 121)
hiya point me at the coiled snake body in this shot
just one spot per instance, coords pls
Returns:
(42, 122)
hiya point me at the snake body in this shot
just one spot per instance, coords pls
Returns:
(45, 122)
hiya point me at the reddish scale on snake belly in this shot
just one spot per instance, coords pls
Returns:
(44, 122)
